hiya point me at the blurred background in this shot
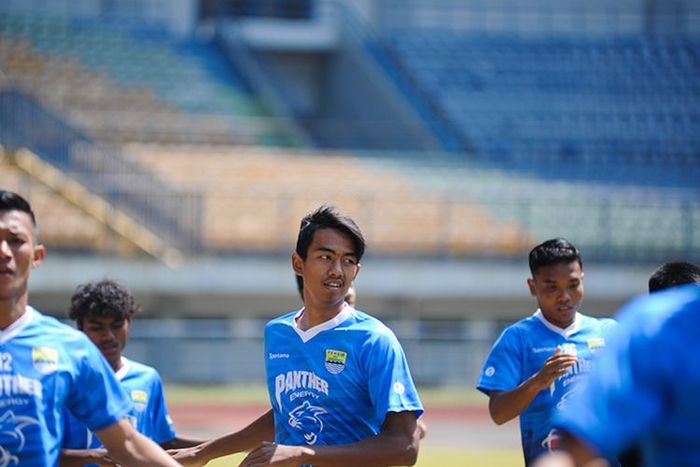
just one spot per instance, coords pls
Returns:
(174, 145)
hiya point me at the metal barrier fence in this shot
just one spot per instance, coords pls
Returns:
(231, 351)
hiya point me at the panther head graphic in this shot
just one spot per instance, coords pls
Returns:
(11, 427)
(306, 418)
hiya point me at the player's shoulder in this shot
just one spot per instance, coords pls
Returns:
(364, 327)
(51, 328)
(141, 368)
(598, 323)
(286, 320)
(667, 306)
(524, 325)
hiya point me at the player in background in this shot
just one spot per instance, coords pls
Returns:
(46, 366)
(103, 311)
(538, 362)
(644, 392)
(351, 296)
(339, 384)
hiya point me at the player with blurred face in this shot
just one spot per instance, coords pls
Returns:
(351, 296)
(338, 380)
(48, 366)
(103, 310)
(539, 361)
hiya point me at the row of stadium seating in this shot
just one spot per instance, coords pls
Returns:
(254, 198)
(129, 82)
(618, 101)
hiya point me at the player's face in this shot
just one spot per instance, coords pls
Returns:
(18, 253)
(559, 291)
(329, 269)
(109, 335)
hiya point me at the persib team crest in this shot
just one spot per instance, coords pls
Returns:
(335, 361)
(45, 359)
(140, 399)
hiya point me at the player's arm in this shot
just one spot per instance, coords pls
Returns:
(260, 430)
(128, 447)
(396, 444)
(506, 405)
(180, 443)
(80, 457)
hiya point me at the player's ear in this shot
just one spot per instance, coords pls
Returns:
(297, 264)
(357, 271)
(38, 258)
(531, 286)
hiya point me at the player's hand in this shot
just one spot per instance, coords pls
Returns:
(555, 366)
(101, 458)
(187, 456)
(272, 454)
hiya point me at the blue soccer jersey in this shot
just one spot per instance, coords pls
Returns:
(335, 383)
(521, 351)
(149, 414)
(44, 367)
(646, 388)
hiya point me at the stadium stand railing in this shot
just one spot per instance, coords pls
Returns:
(173, 213)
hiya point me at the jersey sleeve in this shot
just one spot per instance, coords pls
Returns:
(503, 369)
(163, 429)
(96, 397)
(390, 385)
(622, 397)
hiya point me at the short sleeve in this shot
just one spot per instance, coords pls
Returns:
(390, 385)
(503, 368)
(95, 398)
(163, 429)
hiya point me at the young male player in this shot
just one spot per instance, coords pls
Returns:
(635, 395)
(46, 366)
(538, 362)
(103, 311)
(338, 380)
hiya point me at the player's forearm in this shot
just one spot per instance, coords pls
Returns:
(139, 451)
(129, 447)
(262, 429)
(505, 406)
(179, 443)
(377, 451)
(79, 457)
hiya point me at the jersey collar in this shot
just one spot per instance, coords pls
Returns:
(310, 333)
(567, 331)
(121, 373)
(15, 328)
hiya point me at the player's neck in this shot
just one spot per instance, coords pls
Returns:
(315, 314)
(12, 309)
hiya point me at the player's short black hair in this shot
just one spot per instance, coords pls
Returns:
(326, 217)
(554, 251)
(11, 201)
(106, 298)
(673, 274)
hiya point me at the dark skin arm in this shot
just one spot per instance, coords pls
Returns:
(259, 431)
(179, 443)
(80, 457)
(396, 444)
(506, 405)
